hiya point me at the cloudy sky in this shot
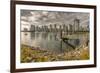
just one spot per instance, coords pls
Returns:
(49, 17)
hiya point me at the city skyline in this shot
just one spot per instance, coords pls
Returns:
(47, 18)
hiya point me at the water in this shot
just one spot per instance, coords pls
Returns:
(52, 41)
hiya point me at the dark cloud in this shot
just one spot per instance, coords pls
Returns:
(25, 13)
(39, 16)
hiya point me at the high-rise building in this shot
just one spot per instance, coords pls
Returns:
(32, 28)
(76, 24)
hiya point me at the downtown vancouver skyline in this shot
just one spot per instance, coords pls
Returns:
(37, 20)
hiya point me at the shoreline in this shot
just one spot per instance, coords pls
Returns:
(33, 54)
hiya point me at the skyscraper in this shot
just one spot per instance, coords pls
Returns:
(76, 24)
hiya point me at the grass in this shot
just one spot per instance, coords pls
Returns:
(31, 54)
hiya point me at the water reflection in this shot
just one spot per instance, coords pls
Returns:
(51, 41)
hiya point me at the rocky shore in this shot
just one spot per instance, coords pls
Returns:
(36, 54)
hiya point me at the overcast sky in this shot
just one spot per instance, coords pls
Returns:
(36, 17)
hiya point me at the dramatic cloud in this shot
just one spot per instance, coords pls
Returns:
(46, 17)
